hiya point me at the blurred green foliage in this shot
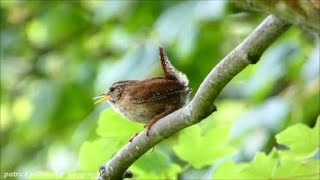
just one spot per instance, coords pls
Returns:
(202, 149)
(296, 163)
(57, 55)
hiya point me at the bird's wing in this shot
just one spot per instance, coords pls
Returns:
(155, 89)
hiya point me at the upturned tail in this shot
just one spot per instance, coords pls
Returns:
(170, 71)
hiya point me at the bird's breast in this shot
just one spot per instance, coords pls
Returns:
(143, 112)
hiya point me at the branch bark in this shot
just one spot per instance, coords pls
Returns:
(303, 13)
(248, 52)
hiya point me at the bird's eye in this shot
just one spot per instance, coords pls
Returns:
(111, 89)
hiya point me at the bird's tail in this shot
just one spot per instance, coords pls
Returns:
(170, 71)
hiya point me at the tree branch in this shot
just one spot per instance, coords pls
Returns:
(248, 52)
(304, 13)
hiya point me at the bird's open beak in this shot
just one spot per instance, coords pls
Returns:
(101, 98)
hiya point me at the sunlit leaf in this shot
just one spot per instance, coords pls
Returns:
(155, 165)
(297, 169)
(228, 111)
(260, 168)
(203, 149)
(112, 124)
(279, 164)
(302, 140)
(94, 154)
(227, 170)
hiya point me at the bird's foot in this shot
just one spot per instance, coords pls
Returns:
(133, 136)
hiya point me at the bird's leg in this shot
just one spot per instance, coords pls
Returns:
(157, 117)
(133, 136)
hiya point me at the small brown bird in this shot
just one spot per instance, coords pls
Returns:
(147, 101)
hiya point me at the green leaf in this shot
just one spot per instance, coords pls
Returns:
(296, 169)
(260, 168)
(112, 124)
(302, 140)
(115, 132)
(203, 149)
(96, 153)
(227, 170)
(269, 167)
(227, 115)
(290, 164)
(155, 165)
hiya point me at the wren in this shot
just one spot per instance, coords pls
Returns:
(147, 101)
